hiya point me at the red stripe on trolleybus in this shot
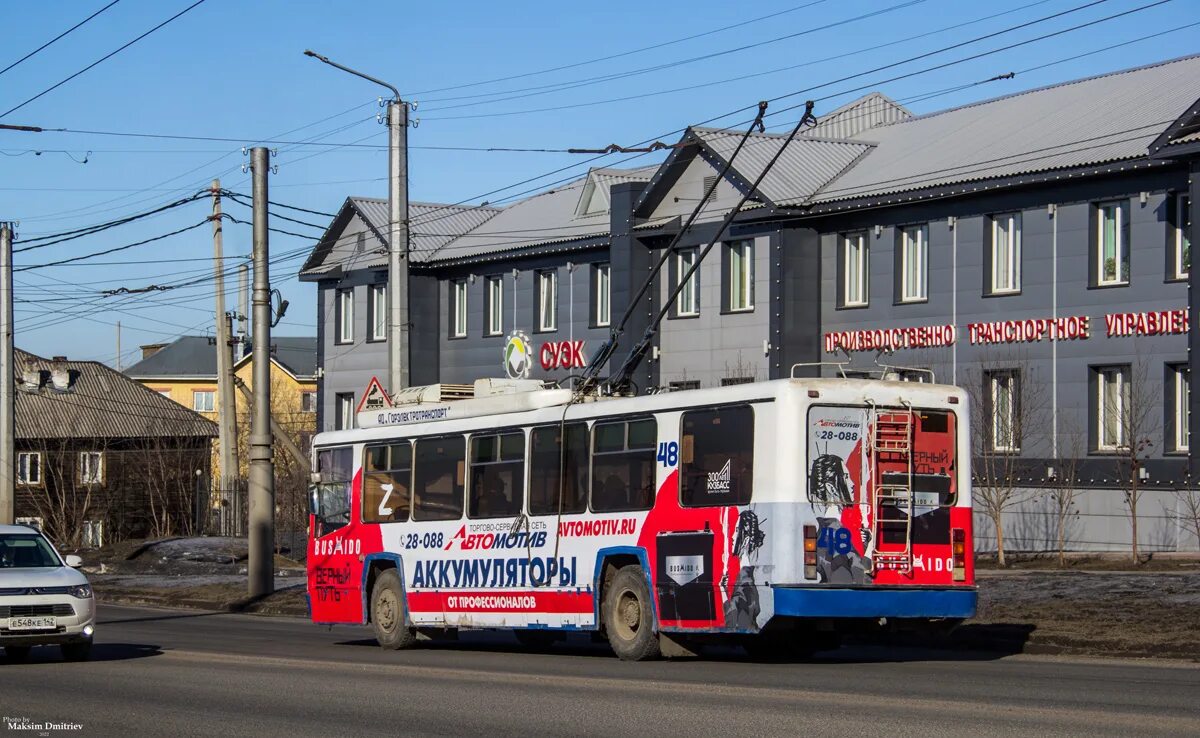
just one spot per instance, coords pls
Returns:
(492, 601)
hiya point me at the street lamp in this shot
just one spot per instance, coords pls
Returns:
(398, 237)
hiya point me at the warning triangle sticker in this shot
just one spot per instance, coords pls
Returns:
(375, 398)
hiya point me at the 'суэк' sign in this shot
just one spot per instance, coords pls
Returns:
(562, 355)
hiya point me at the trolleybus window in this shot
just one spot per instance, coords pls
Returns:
(547, 456)
(387, 483)
(330, 497)
(438, 478)
(497, 475)
(623, 465)
(717, 456)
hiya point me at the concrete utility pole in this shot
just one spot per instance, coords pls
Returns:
(243, 305)
(261, 567)
(226, 399)
(118, 345)
(398, 236)
(8, 461)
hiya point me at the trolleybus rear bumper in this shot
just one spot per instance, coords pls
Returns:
(875, 602)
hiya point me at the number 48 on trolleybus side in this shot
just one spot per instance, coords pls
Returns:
(764, 513)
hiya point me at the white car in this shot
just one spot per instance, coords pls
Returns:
(43, 598)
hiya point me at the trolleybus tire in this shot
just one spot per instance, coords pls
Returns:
(629, 616)
(388, 613)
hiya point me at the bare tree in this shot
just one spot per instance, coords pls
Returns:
(1064, 487)
(70, 498)
(168, 471)
(1188, 511)
(1128, 400)
(1009, 417)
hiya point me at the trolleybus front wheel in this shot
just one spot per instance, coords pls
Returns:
(629, 616)
(388, 613)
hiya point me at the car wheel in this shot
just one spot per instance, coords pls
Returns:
(81, 651)
(388, 613)
(629, 616)
(17, 654)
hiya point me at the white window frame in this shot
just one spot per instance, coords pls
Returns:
(91, 467)
(1105, 376)
(379, 311)
(345, 419)
(1006, 253)
(1118, 246)
(855, 279)
(199, 406)
(495, 312)
(547, 300)
(603, 294)
(23, 467)
(687, 303)
(1183, 216)
(308, 401)
(1182, 390)
(741, 275)
(1004, 429)
(914, 263)
(460, 309)
(345, 316)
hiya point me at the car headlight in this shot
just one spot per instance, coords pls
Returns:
(82, 591)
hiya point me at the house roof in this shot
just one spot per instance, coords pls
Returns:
(103, 404)
(1097, 120)
(194, 356)
(871, 110)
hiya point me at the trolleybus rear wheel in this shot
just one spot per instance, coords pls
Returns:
(388, 614)
(629, 616)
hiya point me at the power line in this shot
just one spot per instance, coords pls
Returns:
(104, 58)
(57, 238)
(74, 259)
(59, 36)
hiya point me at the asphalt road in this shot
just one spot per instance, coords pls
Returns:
(178, 673)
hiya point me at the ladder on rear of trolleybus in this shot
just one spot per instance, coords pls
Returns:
(891, 449)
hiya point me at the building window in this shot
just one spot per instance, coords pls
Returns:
(1112, 259)
(29, 468)
(165, 392)
(602, 283)
(345, 316)
(308, 402)
(547, 300)
(688, 301)
(1004, 396)
(731, 381)
(1006, 253)
(716, 457)
(741, 275)
(914, 263)
(345, 411)
(204, 401)
(1180, 237)
(854, 265)
(495, 306)
(1181, 386)
(1112, 406)
(684, 384)
(91, 467)
(378, 308)
(459, 309)
(497, 486)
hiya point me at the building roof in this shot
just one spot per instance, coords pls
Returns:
(102, 404)
(195, 357)
(1097, 120)
(871, 110)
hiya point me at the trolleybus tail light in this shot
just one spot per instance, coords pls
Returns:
(958, 539)
(810, 552)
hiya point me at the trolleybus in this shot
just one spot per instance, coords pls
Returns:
(768, 513)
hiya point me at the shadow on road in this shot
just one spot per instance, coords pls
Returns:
(100, 652)
(164, 616)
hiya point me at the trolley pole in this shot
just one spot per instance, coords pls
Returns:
(261, 566)
(226, 399)
(7, 379)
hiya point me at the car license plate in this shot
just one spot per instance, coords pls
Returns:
(45, 623)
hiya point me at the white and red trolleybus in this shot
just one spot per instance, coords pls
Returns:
(766, 512)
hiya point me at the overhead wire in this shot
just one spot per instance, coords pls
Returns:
(60, 36)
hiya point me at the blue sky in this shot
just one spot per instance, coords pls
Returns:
(235, 70)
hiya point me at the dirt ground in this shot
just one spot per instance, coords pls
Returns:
(177, 556)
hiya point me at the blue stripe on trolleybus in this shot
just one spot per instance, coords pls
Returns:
(875, 603)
